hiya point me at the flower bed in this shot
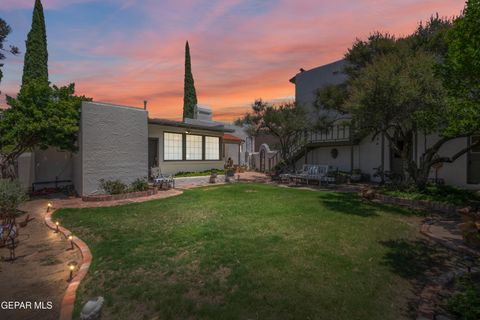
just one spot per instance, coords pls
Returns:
(129, 195)
(419, 204)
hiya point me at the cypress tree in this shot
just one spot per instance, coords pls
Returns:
(35, 65)
(189, 93)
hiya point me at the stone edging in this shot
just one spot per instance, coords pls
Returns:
(426, 308)
(111, 197)
(420, 204)
(68, 302)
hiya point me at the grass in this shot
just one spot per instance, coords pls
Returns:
(438, 193)
(249, 251)
(197, 174)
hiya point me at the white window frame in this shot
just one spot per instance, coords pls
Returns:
(209, 143)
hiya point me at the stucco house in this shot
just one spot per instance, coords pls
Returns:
(337, 146)
(121, 142)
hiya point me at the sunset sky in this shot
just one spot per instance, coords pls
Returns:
(125, 51)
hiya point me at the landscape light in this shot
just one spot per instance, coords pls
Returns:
(70, 237)
(49, 206)
(57, 224)
(71, 267)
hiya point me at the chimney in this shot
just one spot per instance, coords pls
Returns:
(144, 104)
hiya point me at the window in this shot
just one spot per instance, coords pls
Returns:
(212, 148)
(194, 147)
(172, 146)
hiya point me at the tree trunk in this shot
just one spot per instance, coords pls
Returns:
(7, 168)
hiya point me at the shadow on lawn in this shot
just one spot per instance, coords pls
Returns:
(351, 203)
(416, 261)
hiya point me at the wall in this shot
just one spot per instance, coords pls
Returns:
(114, 143)
(453, 173)
(52, 164)
(26, 170)
(173, 167)
(231, 151)
(308, 82)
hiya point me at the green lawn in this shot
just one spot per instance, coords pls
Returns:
(249, 251)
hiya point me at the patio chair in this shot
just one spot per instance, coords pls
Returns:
(159, 179)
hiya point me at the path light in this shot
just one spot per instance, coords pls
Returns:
(70, 237)
(57, 223)
(49, 206)
(71, 267)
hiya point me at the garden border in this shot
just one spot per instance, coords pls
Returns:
(122, 196)
(68, 302)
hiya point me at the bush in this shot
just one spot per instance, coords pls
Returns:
(466, 304)
(113, 186)
(139, 185)
(11, 195)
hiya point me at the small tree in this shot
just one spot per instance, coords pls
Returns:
(286, 122)
(40, 116)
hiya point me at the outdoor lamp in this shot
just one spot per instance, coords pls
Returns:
(57, 223)
(71, 267)
(49, 206)
(70, 237)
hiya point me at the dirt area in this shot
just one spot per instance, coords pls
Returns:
(40, 272)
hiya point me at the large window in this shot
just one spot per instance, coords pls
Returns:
(212, 148)
(172, 146)
(194, 147)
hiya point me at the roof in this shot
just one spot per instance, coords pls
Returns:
(172, 123)
(329, 69)
(231, 138)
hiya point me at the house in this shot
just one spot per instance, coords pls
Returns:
(339, 147)
(121, 142)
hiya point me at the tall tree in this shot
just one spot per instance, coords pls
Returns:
(189, 93)
(35, 65)
(5, 30)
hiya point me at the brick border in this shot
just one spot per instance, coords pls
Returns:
(123, 196)
(68, 302)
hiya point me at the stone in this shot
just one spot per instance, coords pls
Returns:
(92, 310)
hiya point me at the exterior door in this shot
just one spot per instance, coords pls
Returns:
(152, 154)
(474, 162)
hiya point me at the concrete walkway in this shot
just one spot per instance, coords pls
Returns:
(40, 272)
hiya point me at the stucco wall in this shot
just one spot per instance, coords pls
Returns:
(453, 173)
(52, 164)
(323, 156)
(114, 144)
(231, 151)
(26, 170)
(173, 167)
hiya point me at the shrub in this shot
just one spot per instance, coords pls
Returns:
(113, 186)
(139, 185)
(11, 195)
(466, 303)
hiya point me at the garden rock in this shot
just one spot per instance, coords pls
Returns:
(92, 310)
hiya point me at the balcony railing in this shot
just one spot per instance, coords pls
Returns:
(335, 133)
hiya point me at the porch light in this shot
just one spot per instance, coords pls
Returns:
(187, 131)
